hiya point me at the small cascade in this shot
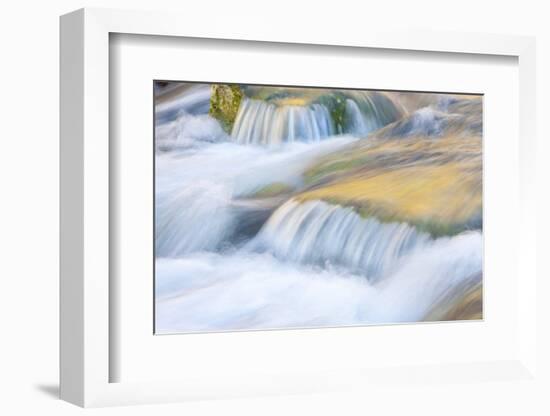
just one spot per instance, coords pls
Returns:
(357, 123)
(264, 122)
(316, 232)
(182, 118)
(233, 253)
(261, 122)
(197, 190)
(369, 111)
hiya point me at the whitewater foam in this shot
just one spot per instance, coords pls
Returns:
(206, 292)
(317, 232)
(195, 188)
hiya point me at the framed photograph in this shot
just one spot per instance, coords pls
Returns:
(283, 207)
(277, 214)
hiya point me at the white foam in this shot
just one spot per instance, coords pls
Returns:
(243, 290)
(318, 232)
(195, 188)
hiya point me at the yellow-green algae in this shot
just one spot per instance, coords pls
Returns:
(224, 104)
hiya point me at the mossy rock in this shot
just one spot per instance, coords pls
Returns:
(335, 102)
(372, 104)
(224, 104)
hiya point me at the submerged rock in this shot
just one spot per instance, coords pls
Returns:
(464, 302)
(434, 184)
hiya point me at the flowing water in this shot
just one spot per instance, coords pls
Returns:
(259, 122)
(315, 232)
(229, 257)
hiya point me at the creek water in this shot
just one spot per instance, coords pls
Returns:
(230, 258)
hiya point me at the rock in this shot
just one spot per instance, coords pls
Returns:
(224, 104)
(463, 303)
(435, 185)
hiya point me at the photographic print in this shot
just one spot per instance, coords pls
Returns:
(301, 207)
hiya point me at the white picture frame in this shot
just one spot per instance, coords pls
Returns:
(85, 220)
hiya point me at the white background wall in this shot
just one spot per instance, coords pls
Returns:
(29, 207)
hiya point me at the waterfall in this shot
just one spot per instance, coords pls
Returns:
(232, 254)
(179, 114)
(272, 123)
(261, 122)
(318, 232)
(198, 190)
(358, 123)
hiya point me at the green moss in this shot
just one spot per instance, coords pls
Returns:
(273, 189)
(224, 104)
(336, 104)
